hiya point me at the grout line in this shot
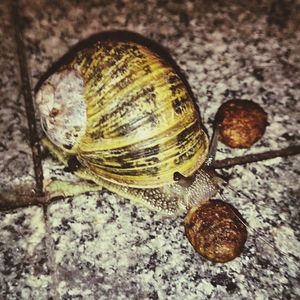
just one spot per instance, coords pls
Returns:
(50, 250)
(34, 141)
(28, 97)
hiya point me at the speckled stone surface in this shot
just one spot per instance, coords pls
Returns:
(15, 154)
(101, 246)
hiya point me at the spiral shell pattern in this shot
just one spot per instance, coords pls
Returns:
(142, 124)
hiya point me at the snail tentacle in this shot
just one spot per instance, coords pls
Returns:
(184, 181)
(213, 147)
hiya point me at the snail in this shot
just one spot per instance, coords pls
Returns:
(242, 123)
(120, 114)
(129, 119)
(216, 230)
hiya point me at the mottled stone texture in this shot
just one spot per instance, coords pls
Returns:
(100, 246)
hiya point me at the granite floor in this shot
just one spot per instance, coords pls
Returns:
(99, 245)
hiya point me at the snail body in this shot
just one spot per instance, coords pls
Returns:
(129, 119)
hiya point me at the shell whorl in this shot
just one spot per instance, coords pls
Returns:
(141, 122)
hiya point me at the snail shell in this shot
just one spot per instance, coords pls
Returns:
(127, 115)
(242, 123)
(216, 230)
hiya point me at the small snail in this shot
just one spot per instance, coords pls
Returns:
(216, 231)
(242, 123)
(124, 115)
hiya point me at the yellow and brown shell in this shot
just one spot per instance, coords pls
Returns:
(125, 113)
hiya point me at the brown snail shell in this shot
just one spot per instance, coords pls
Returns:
(241, 123)
(215, 231)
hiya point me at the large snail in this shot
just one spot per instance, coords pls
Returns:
(125, 115)
(129, 118)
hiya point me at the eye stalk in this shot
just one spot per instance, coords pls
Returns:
(183, 180)
(213, 146)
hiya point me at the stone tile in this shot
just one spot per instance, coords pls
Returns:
(100, 246)
(24, 268)
(16, 172)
